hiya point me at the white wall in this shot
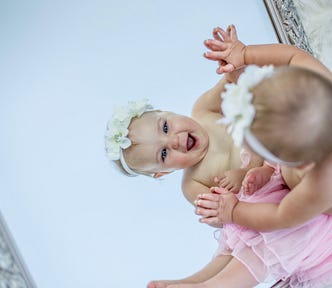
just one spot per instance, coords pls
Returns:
(63, 65)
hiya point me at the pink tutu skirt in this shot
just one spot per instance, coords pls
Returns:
(302, 254)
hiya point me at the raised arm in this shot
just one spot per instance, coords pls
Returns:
(282, 54)
(230, 51)
(210, 101)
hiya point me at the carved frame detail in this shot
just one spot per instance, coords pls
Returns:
(287, 23)
(13, 272)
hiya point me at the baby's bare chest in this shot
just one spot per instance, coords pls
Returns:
(221, 155)
(215, 164)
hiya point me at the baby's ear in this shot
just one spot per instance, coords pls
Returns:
(160, 174)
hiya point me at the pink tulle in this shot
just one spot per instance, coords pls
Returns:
(302, 254)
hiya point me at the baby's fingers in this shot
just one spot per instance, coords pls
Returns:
(220, 34)
(212, 221)
(201, 211)
(208, 204)
(215, 45)
(217, 55)
(208, 196)
(217, 191)
(233, 33)
(228, 68)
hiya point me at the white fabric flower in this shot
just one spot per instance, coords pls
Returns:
(237, 106)
(115, 140)
(117, 128)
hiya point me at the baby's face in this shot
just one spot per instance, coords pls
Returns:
(164, 141)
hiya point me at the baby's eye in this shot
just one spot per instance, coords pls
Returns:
(165, 127)
(163, 154)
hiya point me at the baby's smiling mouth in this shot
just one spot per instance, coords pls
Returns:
(190, 142)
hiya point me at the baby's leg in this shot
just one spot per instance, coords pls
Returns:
(163, 283)
(256, 178)
(211, 269)
(234, 275)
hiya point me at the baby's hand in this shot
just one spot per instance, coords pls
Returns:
(216, 208)
(231, 180)
(226, 49)
(207, 207)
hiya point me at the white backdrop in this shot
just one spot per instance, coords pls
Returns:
(63, 65)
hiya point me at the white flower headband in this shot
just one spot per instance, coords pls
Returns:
(116, 139)
(237, 106)
(239, 112)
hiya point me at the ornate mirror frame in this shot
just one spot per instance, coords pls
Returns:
(287, 23)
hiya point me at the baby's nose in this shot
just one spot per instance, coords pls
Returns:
(174, 142)
(178, 142)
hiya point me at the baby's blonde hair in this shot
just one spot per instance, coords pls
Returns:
(293, 114)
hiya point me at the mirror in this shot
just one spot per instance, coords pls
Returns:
(64, 64)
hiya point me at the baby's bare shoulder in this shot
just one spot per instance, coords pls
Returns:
(318, 181)
(321, 174)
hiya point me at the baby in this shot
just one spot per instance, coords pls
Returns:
(151, 142)
(307, 262)
(142, 140)
(303, 253)
(159, 142)
(290, 125)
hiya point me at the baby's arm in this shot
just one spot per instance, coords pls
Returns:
(311, 197)
(191, 188)
(308, 199)
(230, 52)
(211, 100)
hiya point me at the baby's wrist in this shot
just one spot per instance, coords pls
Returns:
(233, 211)
(229, 209)
(244, 54)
